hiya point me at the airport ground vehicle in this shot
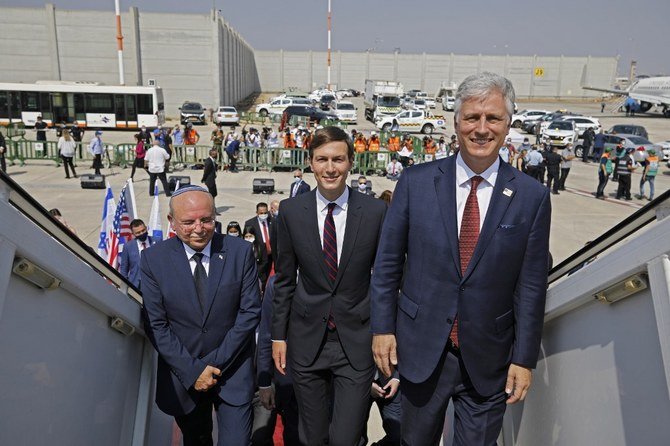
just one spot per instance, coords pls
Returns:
(91, 104)
(665, 148)
(278, 105)
(448, 103)
(412, 121)
(326, 100)
(192, 112)
(345, 111)
(382, 98)
(227, 115)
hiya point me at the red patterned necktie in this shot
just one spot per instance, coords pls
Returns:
(268, 246)
(468, 238)
(330, 251)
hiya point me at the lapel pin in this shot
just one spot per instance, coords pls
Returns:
(508, 192)
(220, 257)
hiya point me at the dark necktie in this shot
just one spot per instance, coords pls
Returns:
(200, 278)
(330, 251)
(144, 246)
(468, 238)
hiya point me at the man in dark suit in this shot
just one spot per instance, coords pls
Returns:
(460, 277)
(263, 227)
(129, 260)
(328, 238)
(202, 306)
(299, 186)
(209, 172)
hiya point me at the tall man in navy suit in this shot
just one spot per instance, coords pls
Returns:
(327, 240)
(460, 278)
(129, 260)
(202, 306)
(299, 186)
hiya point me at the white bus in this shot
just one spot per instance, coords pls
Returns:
(90, 104)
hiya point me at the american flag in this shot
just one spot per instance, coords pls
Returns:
(121, 232)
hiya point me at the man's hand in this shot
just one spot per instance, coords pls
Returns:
(391, 388)
(384, 352)
(518, 383)
(376, 391)
(206, 379)
(267, 397)
(279, 355)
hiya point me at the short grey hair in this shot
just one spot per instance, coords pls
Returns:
(480, 85)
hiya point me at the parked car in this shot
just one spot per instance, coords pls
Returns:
(629, 129)
(524, 115)
(448, 103)
(314, 114)
(345, 111)
(326, 100)
(417, 104)
(227, 115)
(277, 106)
(665, 147)
(192, 112)
(629, 142)
(560, 133)
(582, 123)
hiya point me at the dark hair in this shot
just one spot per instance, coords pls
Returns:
(135, 223)
(55, 212)
(386, 197)
(248, 229)
(261, 205)
(331, 134)
(233, 225)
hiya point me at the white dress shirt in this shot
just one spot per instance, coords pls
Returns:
(339, 216)
(155, 158)
(139, 244)
(296, 185)
(207, 250)
(265, 223)
(484, 191)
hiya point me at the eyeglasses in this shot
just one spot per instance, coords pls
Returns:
(188, 225)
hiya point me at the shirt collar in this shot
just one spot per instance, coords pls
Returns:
(341, 201)
(207, 250)
(464, 173)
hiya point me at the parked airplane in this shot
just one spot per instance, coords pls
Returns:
(648, 91)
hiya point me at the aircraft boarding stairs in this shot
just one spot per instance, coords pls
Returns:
(77, 368)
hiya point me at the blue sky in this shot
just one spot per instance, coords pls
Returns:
(633, 30)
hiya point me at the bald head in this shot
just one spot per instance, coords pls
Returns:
(192, 216)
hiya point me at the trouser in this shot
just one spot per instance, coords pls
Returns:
(624, 187)
(564, 176)
(233, 422)
(586, 151)
(533, 171)
(139, 162)
(540, 174)
(615, 174)
(67, 163)
(553, 178)
(332, 396)
(3, 163)
(152, 183)
(97, 163)
(264, 423)
(602, 182)
(477, 418)
(643, 180)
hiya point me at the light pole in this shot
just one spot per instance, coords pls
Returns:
(119, 42)
(329, 20)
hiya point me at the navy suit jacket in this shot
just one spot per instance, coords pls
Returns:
(187, 340)
(303, 188)
(417, 286)
(129, 261)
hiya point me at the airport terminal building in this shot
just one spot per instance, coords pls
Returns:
(200, 57)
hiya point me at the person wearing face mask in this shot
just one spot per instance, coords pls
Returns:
(363, 186)
(263, 230)
(299, 186)
(260, 253)
(146, 136)
(233, 229)
(129, 260)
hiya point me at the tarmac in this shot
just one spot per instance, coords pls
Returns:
(577, 217)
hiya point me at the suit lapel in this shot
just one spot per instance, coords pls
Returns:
(354, 213)
(445, 187)
(183, 275)
(497, 207)
(217, 260)
(313, 236)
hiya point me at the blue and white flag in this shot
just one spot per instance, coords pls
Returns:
(155, 227)
(107, 225)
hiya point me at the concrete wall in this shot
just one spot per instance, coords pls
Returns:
(191, 56)
(533, 76)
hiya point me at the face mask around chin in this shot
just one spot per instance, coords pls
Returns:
(234, 234)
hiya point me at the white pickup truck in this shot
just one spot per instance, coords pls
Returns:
(412, 121)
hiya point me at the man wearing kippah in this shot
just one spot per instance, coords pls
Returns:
(201, 309)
